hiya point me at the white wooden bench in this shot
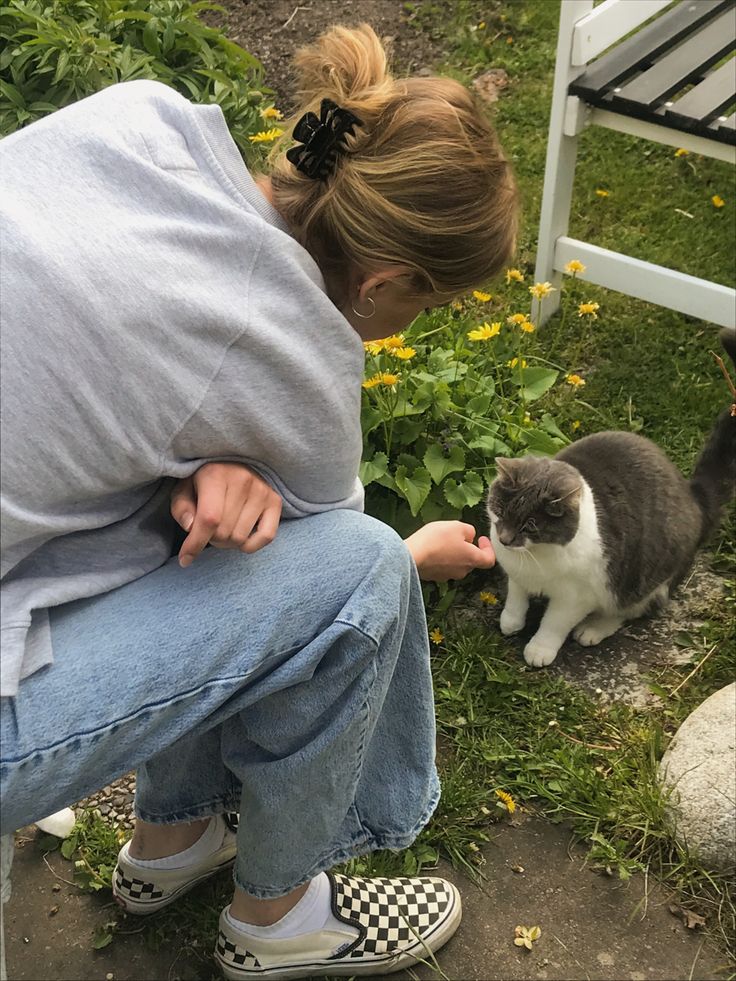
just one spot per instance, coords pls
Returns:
(657, 83)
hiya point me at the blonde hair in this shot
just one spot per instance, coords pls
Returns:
(422, 183)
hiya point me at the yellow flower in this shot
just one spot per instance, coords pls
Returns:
(272, 113)
(373, 347)
(436, 636)
(485, 332)
(515, 361)
(527, 420)
(481, 296)
(517, 318)
(389, 379)
(525, 936)
(528, 327)
(514, 274)
(574, 266)
(602, 194)
(718, 201)
(489, 598)
(575, 424)
(540, 290)
(506, 799)
(393, 342)
(681, 153)
(372, 382)
(266, 136)
(456, 305)
(589, 310)
(482, 26)
(403, 352)
(575, 380)
(382, 378)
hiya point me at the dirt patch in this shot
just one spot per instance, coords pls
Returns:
(272, 31)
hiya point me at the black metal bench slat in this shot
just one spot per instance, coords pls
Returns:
(644, 46)
(702, 103)
(676, 69)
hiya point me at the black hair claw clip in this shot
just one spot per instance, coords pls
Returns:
(322, 139)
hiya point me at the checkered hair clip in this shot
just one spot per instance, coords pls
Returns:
(322, 139)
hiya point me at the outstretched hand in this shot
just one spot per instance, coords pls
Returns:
(444, 550)
(227, 505)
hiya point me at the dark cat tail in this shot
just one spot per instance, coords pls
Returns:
(713, 482)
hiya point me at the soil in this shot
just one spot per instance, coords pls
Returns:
(272, 31)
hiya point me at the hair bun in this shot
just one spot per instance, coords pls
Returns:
(343, 64)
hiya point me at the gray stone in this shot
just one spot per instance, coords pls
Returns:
(699, 768)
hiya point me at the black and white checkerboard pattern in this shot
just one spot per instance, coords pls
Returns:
(231, 953)
(391, 911)
(136, 888)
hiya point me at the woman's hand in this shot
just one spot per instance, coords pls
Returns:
(444, 550)
(221, 504)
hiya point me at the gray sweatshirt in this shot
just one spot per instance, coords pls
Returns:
(156, 315)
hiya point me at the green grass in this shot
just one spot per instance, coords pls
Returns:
(647, 369)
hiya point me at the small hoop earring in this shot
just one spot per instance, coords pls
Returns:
(365, 316)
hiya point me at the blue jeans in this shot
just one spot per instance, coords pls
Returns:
(292, 685)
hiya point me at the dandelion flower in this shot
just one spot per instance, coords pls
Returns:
(514, 274)
(601, 193)
(389, 379)
(393, 342)
(681, 153)
(456, 305)
(490, 598)
(575, 380)
(506, 799)
(540, 290)
(482, 26)
(515, 361)
(517, 318)
(528, 327)
(266, 135)
(589, 310)
(575, 424)
(372, 382)
(718, 201)
(373, 347)
(436, 636)
(481, 297)
(574, 266)
(403, 352)
(272, 113)
(485, 332)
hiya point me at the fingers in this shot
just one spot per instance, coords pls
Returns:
(268, 524)
(207, 518)
(183, 503)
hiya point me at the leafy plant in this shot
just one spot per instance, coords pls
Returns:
(55, 53)
(443, 400)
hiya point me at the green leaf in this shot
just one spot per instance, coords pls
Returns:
(489, 444)
(101, 938)
(62, 64)
(11, 92)
(534, 382)
(541, 442)
(439, 465)
(370, 418)
(150, 38)
(415, 488)
(68, 847)
(478, 405)
(49, 843)
(464, 494)
(371, 470)
(549, 425)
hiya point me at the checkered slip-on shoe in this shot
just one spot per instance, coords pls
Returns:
(399, 922)
(142, 891)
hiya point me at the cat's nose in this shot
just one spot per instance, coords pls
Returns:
(506, 537)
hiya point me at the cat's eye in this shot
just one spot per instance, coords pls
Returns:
(530, 525)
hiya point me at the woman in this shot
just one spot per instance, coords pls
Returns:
(182, 350)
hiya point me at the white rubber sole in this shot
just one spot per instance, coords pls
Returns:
(153, 906)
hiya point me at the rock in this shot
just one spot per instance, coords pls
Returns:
(490, 83)
(699, 768)
(104, 809)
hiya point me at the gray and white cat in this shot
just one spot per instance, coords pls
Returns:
(605, 530)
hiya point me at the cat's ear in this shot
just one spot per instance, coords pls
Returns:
(507, 468)
(568, 497)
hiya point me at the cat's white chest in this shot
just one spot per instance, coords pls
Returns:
(549, 570)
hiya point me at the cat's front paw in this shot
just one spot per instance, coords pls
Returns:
(511, 622)
(594, 629)
(539, 654)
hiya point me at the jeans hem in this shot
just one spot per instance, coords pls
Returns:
(219, 805)
(371, 843)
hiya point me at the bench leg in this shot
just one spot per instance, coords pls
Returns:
(559, 173)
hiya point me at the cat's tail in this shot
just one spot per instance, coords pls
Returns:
(713, 482)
